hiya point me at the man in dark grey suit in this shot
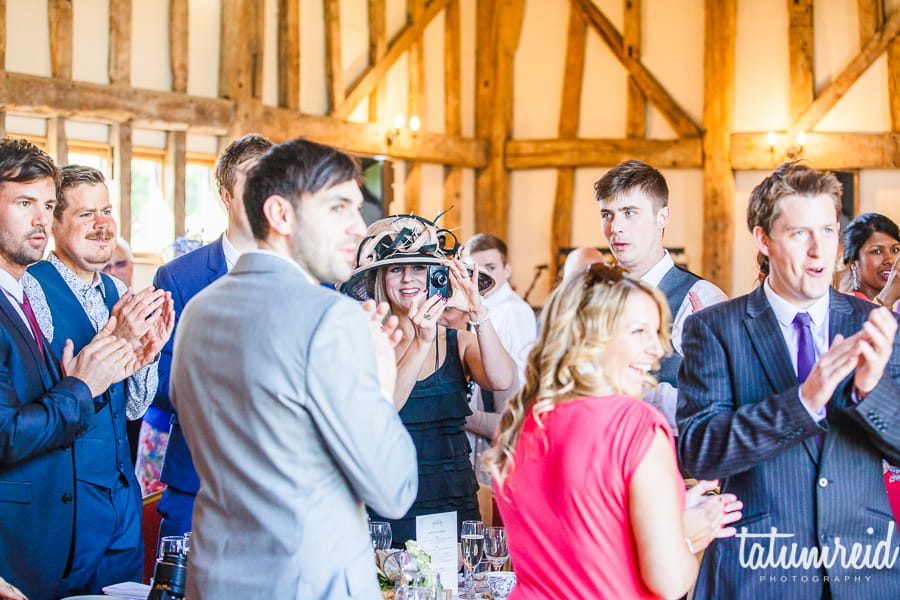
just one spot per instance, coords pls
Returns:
(790, 395)
(283, 390)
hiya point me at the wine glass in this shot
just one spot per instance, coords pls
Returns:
(472, 542)
(170, 544)
(381, 534)
(495, 546)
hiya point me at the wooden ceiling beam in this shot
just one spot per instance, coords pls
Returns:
(683, 153)
(57, 142)
(178, 44)
(676, 116)
(149, 108)
(453, 175)
(874, 48)
(800, 55)
(120, 138)
(834, 150)
(59, 13)
(415, 105)
(334, 66)
(636, 109)
(720, 26)
(569, 113)
(372, 139)
(3, 33)
(366, 82)
(174, 172)
(120, 42)
(289, 54)
(377, 49)
(241, 63)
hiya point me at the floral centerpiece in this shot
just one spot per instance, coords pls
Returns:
(394, 566)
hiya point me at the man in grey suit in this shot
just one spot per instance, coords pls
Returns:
(790, 395)
(283, 391)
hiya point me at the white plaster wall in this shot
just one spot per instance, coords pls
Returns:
(150, 66)
(90, 40)
(27, 37)
(270, 53)
(204, 42)
(313, 95)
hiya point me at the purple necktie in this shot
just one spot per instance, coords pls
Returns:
(806, 350)
(32, 320)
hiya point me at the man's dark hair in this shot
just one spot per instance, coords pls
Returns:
(861, 229)
(244, 148)
(292, 170)
(71, 176)
(789, 179)
(486, 241)
(23, 162)
(629, 175)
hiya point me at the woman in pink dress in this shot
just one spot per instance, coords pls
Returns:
(871, 248)
(585, 474)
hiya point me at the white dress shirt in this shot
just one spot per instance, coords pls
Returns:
(818, 314)
(13, 289)
(665, 397)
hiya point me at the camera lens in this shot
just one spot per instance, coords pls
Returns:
(439, 279)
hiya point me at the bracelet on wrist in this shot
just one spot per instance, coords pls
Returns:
(481, 321)
(690, 545)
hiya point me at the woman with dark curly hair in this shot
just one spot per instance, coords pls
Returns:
(871, 247)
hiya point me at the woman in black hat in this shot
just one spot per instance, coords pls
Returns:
(411, 264)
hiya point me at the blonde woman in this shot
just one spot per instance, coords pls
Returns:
(584, 473)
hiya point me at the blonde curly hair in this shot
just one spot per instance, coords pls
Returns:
(580, 318)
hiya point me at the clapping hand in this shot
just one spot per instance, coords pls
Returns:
(876, 341)
(385, 336)
(707, 517)
(102, 362)
(138, 313)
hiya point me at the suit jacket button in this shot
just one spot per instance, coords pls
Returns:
(823, 482)
(67, 498)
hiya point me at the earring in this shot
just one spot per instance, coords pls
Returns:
(854, 280)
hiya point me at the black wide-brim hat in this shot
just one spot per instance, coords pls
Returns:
(403, 240)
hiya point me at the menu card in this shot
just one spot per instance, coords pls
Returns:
(437, 535)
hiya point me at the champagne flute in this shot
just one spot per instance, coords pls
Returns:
(381, 534)
(495, 546)
(472, 542)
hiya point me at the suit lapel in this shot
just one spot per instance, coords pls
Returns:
(768, 343)
(772, 351)
(27, 341)
(843, 321)
(216, 264)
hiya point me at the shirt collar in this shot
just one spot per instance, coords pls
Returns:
(291, 261)
(11, 285)
(72, 280)
(659, 270)
(499, 295)
(232, 254)
(785, 311)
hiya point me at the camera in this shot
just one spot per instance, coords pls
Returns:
(438, 281)
(169, 577)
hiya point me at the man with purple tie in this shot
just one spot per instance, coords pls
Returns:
(44, 404)
(789, 395)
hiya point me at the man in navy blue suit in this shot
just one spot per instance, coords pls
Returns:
(72, 300)
(45, 404)
(184, 277)
(790, 395)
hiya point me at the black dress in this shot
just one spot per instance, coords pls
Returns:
(435, 415)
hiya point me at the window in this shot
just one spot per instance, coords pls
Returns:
(205, 215)
(152, 214)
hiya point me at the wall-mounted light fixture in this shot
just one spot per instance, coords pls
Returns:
(399, 123)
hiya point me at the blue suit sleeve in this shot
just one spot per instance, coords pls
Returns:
(163, 280)
(31, 427)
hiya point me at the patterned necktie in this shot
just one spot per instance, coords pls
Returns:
(806, 351)
(32, 321)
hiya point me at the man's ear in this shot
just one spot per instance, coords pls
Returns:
(762, 240)
(662, 217)
(226, 198)
(507, 270)
(279, 214)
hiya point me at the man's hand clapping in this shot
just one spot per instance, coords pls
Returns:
(104, 361)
